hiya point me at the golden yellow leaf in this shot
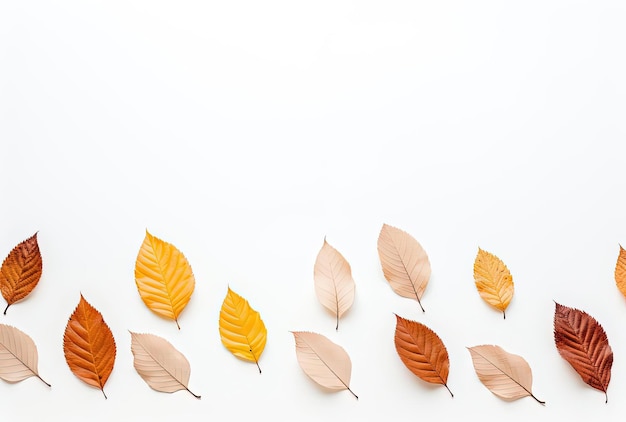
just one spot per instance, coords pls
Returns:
(241, 328)
(620, 271)
(493, 280)
(164, 277)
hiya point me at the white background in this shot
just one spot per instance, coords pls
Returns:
(243, 132)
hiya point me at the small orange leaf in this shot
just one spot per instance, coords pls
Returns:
(620, 271)
(21, 271)
(493, 280)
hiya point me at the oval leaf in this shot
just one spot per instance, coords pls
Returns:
(241, 328)
(620, 271)
(422, 351)
(405, 263)
(323, 361)
(334, 285)
(493, 280)
(160, 365)
(164, 277)
(89, 346)
(18, 355)
(21, 271)
(506, 375)
(582, 342)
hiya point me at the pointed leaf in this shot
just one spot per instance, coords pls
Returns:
(241, 328)
(164, 277)
(493, 280)
(18, 355)
(21, 271)
(160, 365)
(620, 271)
(582, 342)
(506, 375)
(422, 351)
(405, 263)
(89, 346)
(334, 285)
(323, 361)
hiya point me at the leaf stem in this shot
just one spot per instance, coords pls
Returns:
(446, 385)
(255, 359)
(196, 396)
(420, 303)
(606, 397)
(543, 403)
(105, 396)
(504, 314)
(42, 380)
(176, 320)
(357, 397)
(5, 309)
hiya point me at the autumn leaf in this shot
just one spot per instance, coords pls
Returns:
(506, 375)
(89, 346)
(160, 365)
(18, 355)
(620, 271)
(582, 342)
(493, 280)
(323, 361)
(241, 328)
(164, 278)
(422, 351)
(21, 271)
(334, 285)
(405, 263)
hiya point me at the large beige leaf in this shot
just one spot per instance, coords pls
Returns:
(506, 375)
(334, 285)
(323, 361)
(18, 355)
(160, 365)
(405, 263)
(493, 280)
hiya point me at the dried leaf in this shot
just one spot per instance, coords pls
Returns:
(334, 285)
(620, 271)
(422, 351)
(18, 355)
(164, 277)
(582, 342)
(160, 365)
(241, 328)
(323, 361)
(493, 280)
(21, 271)
(89, 346)
(405, 263)
(506, 375)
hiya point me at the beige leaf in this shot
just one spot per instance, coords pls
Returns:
(18, 355)
(334, 285)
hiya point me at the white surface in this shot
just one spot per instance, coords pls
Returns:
(245, 132)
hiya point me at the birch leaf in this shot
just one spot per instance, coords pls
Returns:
(620, 271)
(21, 271)
(242, 330)
(160, 365)
(405, 263)
(422, 351)
(323, 361)
(493, 280)
(18, 355)
(334, 285)
(163, 277)
(582, 342)
(506, 375)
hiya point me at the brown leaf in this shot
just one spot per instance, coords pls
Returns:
(422, 351)
(21, 271)
(582, 342)
(620, 270)
(89, 345)
(405, 263)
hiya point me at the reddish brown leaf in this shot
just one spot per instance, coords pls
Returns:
(21, 271)
(582, 342)
(89, 346)
(422, 351)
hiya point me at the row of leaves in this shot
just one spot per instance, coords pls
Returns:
(165, 283)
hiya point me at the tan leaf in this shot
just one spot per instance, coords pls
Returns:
(422, 351)
(334, 285)
(493, 280)
(405, 263)
(21, 271)
(323, 361)
(620, 270)
(506, 375)
(160, 365)
(18, 355)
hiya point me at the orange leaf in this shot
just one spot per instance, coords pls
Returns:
(620, 271)
(89, 346)
(493, 280)
(422, 351)
(21, 271)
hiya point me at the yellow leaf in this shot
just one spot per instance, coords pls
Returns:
(493, 280)
(620, 271)
(164, 277)
(241, 328)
